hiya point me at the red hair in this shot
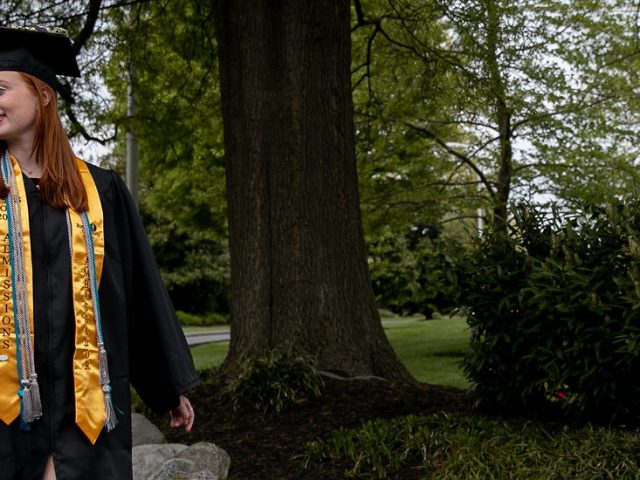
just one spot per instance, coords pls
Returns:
(61, 184)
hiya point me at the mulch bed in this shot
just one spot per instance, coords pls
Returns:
(268, 446)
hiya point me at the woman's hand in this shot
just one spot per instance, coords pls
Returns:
(182, 415)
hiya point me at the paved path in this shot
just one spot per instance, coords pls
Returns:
(207, 337)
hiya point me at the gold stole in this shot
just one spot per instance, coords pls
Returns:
(89, 395)
(90, 408)
(9, 375)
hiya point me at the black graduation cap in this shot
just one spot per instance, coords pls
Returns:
(39, 51)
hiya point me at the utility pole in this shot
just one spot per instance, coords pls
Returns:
(132, 140)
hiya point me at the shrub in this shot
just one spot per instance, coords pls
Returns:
(554, 312)
(194, 263)
(273, 381)
(205, 320)
(413, 274)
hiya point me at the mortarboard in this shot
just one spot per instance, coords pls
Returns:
(41, 52)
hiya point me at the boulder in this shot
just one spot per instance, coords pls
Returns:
(170, 461)
(146, 458)
(209, 456)
(144, 432)
(181, 469)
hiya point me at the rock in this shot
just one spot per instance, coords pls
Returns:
(171, 461)
(209, 456)
(181, 469)
(146, 458)
(144, 432)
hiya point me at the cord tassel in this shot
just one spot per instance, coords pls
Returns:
(27, 402)
(111, 421)
(35, 396)
(103, 366)
(24, 426)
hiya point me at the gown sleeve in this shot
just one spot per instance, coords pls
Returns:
(160, 363)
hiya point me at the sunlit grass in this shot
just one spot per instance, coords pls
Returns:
(214, 328)
(431, 350)
(209, 355)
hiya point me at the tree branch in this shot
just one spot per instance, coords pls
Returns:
(464, 122)
(557, 166)
(89, 26)
(581, 104)
(452, 151)
(482, 146)
(64, 91)
(384, 196)
(461, 217)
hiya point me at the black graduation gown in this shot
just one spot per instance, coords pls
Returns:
(145, 344)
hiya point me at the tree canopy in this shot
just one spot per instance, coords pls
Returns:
(533, 97)
(460, 107)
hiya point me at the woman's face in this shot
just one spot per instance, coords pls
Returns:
(18, 107)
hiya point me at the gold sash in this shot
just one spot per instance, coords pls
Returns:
(9, 375)
(89, 395)
(90, 410)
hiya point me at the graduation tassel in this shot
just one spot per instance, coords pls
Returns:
(103, 369)
(111, 421)
(103, 365)
(35, 396)
(24, 426)
(27, 402)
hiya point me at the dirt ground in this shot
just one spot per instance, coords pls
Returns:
(268, 446)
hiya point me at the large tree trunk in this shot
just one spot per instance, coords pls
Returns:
(299, 274)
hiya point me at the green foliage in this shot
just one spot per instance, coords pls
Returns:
(413, 273)
(273, 381)
(448, 448)
(194, 264)
(461, 104)
(405, 180)
(169, 47)
(554, 311)
(206, 320)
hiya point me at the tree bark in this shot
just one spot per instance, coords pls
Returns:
(299, 274)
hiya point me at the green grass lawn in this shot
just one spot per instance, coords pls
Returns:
(210, 355)
(431, 350)
(215, 328)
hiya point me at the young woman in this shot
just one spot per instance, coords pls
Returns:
(83, 312)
